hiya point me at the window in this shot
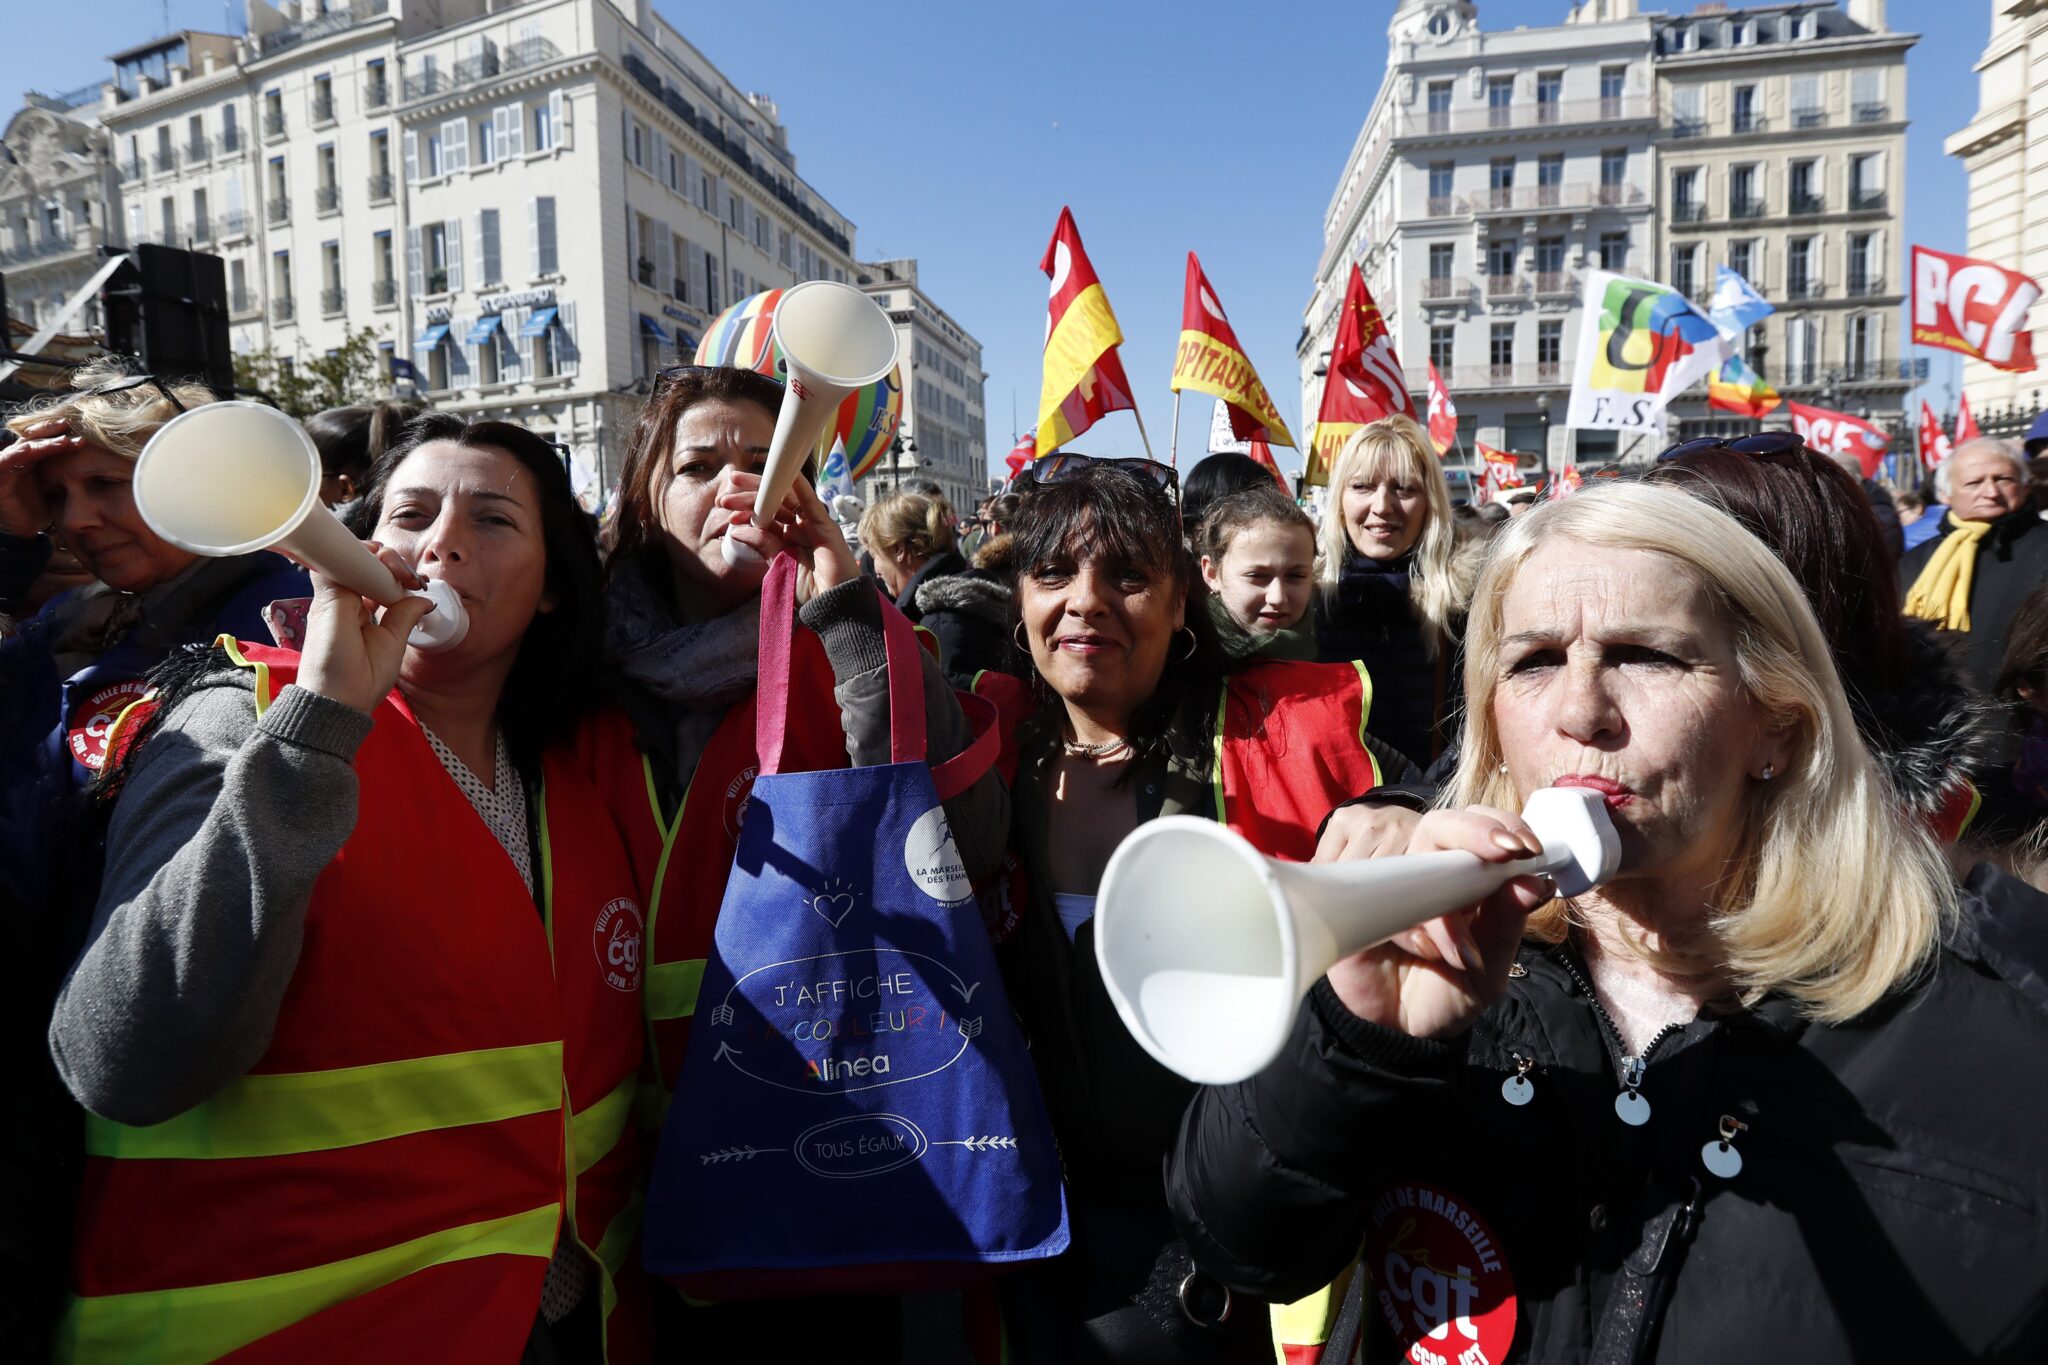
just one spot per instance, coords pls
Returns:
(1743, 199)
(1742, 256)
(489, 263)
(636, 147)
(486, 142)
(1684, 274)
(1862, 346)
(1440, 175)
(1613, 80)
(1439, 97)
(1549, 88)
(281, 275)
(1806, 108)
(195, 138)
(376, 89)
(273, 113)
(541, 236)
(543, 128)
(1744, 119)
(1613, 171)
(1866, 180)
(443, 246)
(1500, 257)
(383, 268)
(230, 135)
(1802, 350)
(739, 283)
(238, 286)
(323, 99)
(1685, 194)
(1550, 256)
(1549, 348)
(1614, 251)
(330, 277)
(202, 229)
(166, 159)
(327, 190)
(1803, 187)
(1686, 118)
(1500, 180)
(1502, 352)
(1441, 255)
(167, 218)
(1500, 99)
(1863, 273)
(1866, 96)
(1442, 346)
(1799, 280)
(1549, 180)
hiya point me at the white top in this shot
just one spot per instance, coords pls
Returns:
(1074, 911)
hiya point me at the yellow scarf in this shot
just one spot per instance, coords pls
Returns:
(1942, 591)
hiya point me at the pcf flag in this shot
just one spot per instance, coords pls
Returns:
(1503, 471)
(1972, 306)
(1966, 425)
(1735, 387)
(1565, 484)
(1365, 382)
(1837, 433)
(1640, 346)
(1084, 379)
(1211, 360)
(1443, 418)
(1934, 446)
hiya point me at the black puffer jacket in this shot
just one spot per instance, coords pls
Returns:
(1892, 1201)
(971, 616)
(1367, 615)
(2012, 560)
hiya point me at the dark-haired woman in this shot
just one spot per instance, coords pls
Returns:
(359, 1058)
(1140, 716)
(682, 632)
(349, 441)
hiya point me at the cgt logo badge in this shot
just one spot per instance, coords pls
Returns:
(1440, 1282)
(93, 721)
(617, 936)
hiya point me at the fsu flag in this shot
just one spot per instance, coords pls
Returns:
(1972, 306)
(1734, 387)
(1934, 446)
(1966, 425)
(1641, 344)
(1837, 433)
(1084, 379)
(1503, 471)
(1022, 454)
(1211, 360)
(1364, 384)
(1443, 418)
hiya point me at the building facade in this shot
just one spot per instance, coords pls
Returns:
(1781, 149)
(2002, 148)
(536, 205)
(943, 434)
(56, 203)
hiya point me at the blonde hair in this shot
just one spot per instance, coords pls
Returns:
(1397, 447)
(911, 522)
(120, 422)
(1834, 897)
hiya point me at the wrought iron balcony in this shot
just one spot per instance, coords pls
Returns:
(1689, 211)
(1804, 205)
(1745, 208)
(331, 301)
(1809, 118)
(1873, 113)
(1863, 201)
(327, 199)
(323, 109)
(376, 93)
(384, 292)
(164, 160)
(281, 309)
(240, 302)
(380, 187)
(280, 211)
(273, 123)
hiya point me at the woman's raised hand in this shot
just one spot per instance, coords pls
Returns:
(1433, 980)
(803, 525)
(352, 653)
(23, 509)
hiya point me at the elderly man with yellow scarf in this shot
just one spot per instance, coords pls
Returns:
(1993, 551)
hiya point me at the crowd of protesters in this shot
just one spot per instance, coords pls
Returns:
(310, 1063)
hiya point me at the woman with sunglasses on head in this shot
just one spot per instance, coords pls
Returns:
(681, 640)
(1140, 714)
(361, 1085)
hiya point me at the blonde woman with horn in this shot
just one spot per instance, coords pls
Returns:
(1756, 1097)
(1394, 582)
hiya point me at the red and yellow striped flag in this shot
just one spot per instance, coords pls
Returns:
(1211, 360)
(1084, 378)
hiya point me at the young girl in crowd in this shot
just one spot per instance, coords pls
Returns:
(1258, 558)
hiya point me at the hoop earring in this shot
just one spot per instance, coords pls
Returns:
(1194, 644)
(1017, 639)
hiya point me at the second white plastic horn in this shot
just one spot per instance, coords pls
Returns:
(834, 340)
(234, 478)
(1207, 946)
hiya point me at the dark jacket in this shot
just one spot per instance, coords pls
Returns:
(1366, 615)
(1892, 1202)
(2011, 560)
(971, 616)
(1887, 513)
(938, 566)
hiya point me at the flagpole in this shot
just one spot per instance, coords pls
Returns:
(1141, 433)
(1173, 444)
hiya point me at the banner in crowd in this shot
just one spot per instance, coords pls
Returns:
(1641, 344)
(1934, 445)
(1022, 454)
(1736, 306)
(1565, 484)
(1972, 306)
(1735, 387)
(1084, 378)
(1443, 418)
(1503, 471)
(1838, 433)
(1222, 440)
(834, 480)
(1365, 382)
(1966, 425)
(1212, 360)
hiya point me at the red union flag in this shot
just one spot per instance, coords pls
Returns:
(1084, 378)
(1972, 306)
(1364, 382)
(1966, 425)
(1212, 360)
(1443, 418)
(1262, 453)
(1934, 446)
(1503, 471)
(1837, 433)
(1023, 453)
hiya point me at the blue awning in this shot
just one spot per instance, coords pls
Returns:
(431, 338)
(649, 327)
(686, 345)
(485, 325)
(538, 322)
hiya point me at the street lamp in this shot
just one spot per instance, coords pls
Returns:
(1543, 416)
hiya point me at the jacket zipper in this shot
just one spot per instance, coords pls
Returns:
(1628, 1070)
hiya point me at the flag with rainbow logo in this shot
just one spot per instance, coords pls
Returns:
(1641, 344)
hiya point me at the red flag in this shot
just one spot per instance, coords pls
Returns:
(1443, 418)
(1837, 433)
(1084, 380)
(1566, 483)
(1022, 454)
(1503, 471)
(1966, 425)
(1972, 306)
(1364, 383)
(1934, 446)
(1211, 359)
(1263, 454)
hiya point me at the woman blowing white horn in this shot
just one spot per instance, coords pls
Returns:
(1752, 1099)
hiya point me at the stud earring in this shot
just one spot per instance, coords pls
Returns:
(1769, 772)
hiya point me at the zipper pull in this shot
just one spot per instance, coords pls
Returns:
(1720, 1156)
(1518, 1089)
(1630, 1106)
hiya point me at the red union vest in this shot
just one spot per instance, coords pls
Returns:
(1289, 746)
(680, 866)
(448, 1088)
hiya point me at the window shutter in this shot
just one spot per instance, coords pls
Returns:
(453, 228)
(487, 264)
(501, 134)
(412, 158)
(454, 146)
(633, 243)
(664, 259)
(565, 322)
(415, 265)
(513, 141)
(559, 110)
(545, 215)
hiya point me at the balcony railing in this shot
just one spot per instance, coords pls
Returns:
(234, 224)
(164, 161)
(1868, 370)
(481, 67)
(1541, 374)
(1863, 286)
(376, 94)
(1442, 205)
(280, 211)
(437, 281)
(240, 302)
(1538, 198)
(273, 123)
(197, 149)
(334, 21)
(380, 187)
(1809, 118)
(1445, 288)
(131, 170)
(1861, 201)
(1493, 118)
(535, 51)
(1745, 208)
(49, 244)
(1688, 127)
(1748, 123)
(327, 199)
(1689, 211)
(430, 82)
(330, 301)
(1798, 288)
(281, 309)
(1556, 282)
(383, 292)
(1872, 113)
(202, 231)
(1806, 204)
(323, 109)
(645, 271)
(1505, 286)
(230, 140)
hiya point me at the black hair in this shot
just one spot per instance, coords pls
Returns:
(1218, 476)
(2026, 648)
(558, 675)
(350, 439)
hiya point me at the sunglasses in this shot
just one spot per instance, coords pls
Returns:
(135, 381)
(1763, 443)
(1051, 469)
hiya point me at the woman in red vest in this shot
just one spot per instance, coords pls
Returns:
(682, 630)
(358, 1023)
(1141, 714)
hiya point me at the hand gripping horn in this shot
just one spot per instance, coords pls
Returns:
(1207, 946)
(233, 478)
(834, 339)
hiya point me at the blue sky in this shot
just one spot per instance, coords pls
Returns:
(953, 132)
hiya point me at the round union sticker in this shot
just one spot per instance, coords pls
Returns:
(932, 860)
(1440, 1282)
(617, 937)
(93, 719)
(738, 792)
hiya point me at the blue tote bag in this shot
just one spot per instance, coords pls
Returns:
(856, 1111)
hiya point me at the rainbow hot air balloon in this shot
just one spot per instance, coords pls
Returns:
(740, 337)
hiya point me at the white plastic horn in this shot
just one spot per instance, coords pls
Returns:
(1207, 946)
(834, 339)
(235, 478)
